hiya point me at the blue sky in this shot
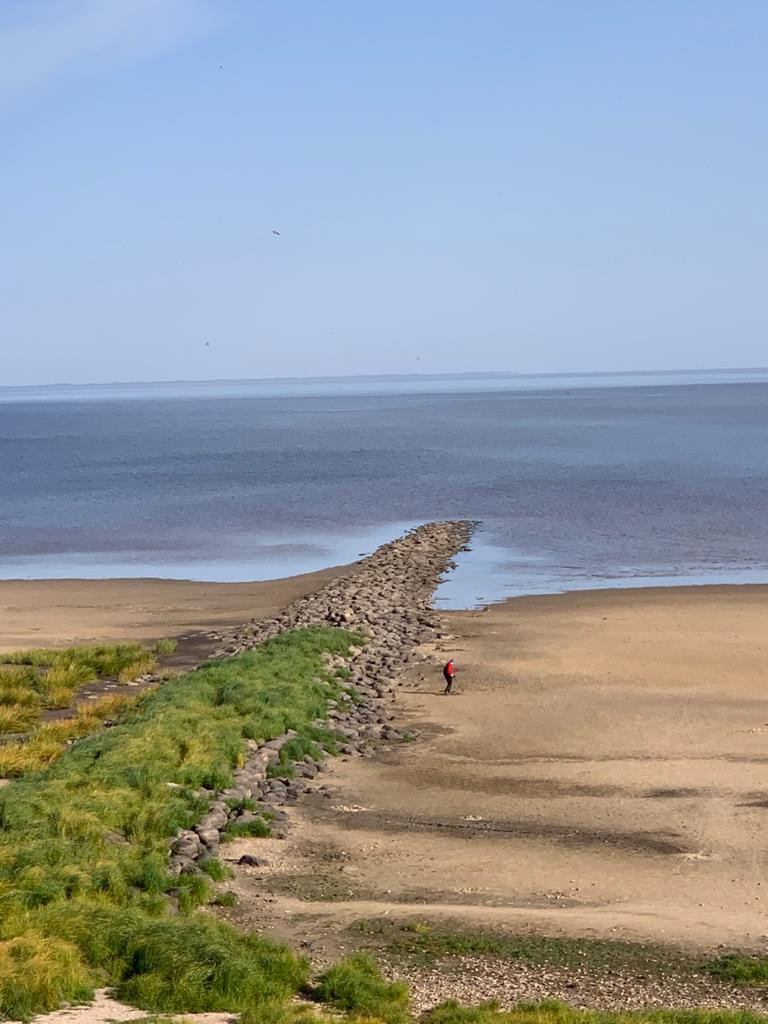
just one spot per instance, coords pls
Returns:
(526, 186)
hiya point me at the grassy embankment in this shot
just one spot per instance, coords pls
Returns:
(36, 680)
(84, 843)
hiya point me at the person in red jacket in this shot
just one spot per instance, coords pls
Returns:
(449, 671)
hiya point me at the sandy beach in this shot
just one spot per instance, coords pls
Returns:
(52, 613)
(601, 769)
(600, 772)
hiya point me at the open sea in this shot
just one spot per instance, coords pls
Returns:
(576, 482)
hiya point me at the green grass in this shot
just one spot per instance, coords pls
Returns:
(176, 964)
(224, 899)
(36, 679)
(740, 970)
(18, 685)
(164, 647)
(560, 1013)
(356, 986)
(239, 830)
(280, 1013)
(422, 943)
(298, 748)
(216, 870)
(84, 843)
(34, 972)
(48, 741)
(17, 717)
(95, 659)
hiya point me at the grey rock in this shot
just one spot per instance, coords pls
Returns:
(183, 866)
(250, 861)
(209, 837)
(186, 846)
(214, 820)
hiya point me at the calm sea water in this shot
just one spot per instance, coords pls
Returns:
(576, 482)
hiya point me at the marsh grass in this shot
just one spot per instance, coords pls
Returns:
(47, 741)
(17, 717)
(216, 870)
(99, 659)
(164, 647)
(33, 972)
(84, 842)
(18, 694)
(19, 699)
(282, 1013)
(39, 678)
(139, 667)
(17, 677)
(422, 943)
(740, 969)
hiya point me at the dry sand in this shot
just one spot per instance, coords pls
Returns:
(602, 771)
(52, 613)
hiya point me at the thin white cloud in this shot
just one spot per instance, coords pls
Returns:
(42, 40)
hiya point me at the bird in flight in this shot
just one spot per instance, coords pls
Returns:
(275, 232)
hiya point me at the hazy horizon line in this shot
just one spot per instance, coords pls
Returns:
(466, 375)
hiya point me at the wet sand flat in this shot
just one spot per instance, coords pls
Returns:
(602, 770)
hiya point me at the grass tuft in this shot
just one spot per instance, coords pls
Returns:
(140, 667)
(257, 828)
(17, 717)
(215, 869)
(739, 969)
(37, 973)
(355, 985)
(166, 646)
(224, 899)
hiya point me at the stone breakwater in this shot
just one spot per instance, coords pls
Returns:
(388, 598)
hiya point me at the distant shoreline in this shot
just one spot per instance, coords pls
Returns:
(368, 378)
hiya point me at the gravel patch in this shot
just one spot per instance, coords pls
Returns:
(472, 980)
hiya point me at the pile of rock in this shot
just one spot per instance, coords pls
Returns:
(387, 597)
(250, 784)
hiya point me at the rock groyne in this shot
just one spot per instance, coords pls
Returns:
(387, 597)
